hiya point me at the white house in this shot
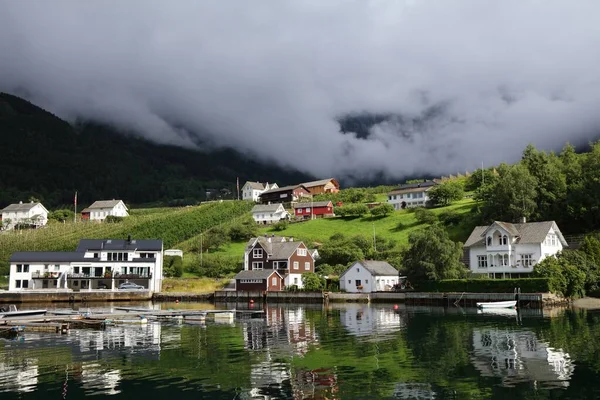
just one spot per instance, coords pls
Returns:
(369, 276)
(103, 208)
(410, 195)
(32, 214)
(253, 190)
(269, 213)
(95, 264)
(506, 250)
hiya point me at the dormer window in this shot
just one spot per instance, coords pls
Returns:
(505, 240)
(257, 253)
(489, 240)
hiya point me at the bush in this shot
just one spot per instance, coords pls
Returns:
(243, 231)
(172, 266)
(281, 225)
(450, 218)
(425, 216)
(216, 266)
(382, 210)
(112, 219)
(312, 281)
(62, 215)
(527, 285)
(351, 210)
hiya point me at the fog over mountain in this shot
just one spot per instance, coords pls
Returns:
(437, 86)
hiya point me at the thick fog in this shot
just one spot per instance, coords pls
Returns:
(467, 81)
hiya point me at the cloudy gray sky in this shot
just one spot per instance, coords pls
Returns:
(271, 77)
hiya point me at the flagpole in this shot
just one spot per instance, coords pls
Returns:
(75, 215)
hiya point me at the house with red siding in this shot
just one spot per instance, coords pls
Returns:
(313, 209)
(288, 257)
(259, 280)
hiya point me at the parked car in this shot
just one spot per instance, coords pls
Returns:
(130, 286)
(102, 285)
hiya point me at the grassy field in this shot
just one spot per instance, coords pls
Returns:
(191, 284)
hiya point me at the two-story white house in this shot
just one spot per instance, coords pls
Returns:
(507, 250)
(253, 190)
(269, 213)
(369, 276)
(30, 214)
(410, 195)
(101, 209)
(95, 264)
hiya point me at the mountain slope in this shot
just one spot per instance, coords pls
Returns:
(45, 157)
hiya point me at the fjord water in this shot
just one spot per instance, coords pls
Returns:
(347, 351)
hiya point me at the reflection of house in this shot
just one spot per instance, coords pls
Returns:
(414, 391)
(19, 377)
(288, 257)
(101, 209)
(94, 377)
(410, 195)
(505, 250)
(286, 194)
(365, 319)
(329, 185)
(313, 209)
(269, 213)
(95, 264)
(369, 276)
(29, 214)
(518, 356)
(253, 190)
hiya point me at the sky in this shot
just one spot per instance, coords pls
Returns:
(272, 78)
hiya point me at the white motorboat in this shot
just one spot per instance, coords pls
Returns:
(12, 312)
(498, 304)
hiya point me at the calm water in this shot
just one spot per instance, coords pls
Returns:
(346, 351)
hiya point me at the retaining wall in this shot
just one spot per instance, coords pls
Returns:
(68, 296)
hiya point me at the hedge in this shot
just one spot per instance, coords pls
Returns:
(527, 285)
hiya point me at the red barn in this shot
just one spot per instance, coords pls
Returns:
(313, 209)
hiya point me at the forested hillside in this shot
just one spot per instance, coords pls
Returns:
(45, 157)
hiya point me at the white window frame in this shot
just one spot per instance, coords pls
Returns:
(274, 281)
(296, 265)
(257, 265)
(257, 253)
(482, 261)
(301, 252)
(527, 260)
(307, 266)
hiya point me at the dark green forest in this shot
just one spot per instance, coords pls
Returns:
(47, 158)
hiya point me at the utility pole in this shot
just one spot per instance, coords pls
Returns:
(374, 240)
(482, 175)
(201, 251)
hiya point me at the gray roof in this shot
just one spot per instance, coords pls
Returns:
(18, 207)
(256, 274)
(49, 256)
(279, 248)
(319, 182)
(378, 268)
(255, 185)
(119, 244)
(414, 187)
(104, 204)
(266, 208)
(313, 204)
(529, 232)
(284, 189)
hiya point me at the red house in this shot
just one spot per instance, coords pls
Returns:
(316, 209)
(259, 280)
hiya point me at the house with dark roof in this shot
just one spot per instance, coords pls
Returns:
(252, 190)
(31, 214)
(269, 213)
(329, 185)
(259, 280)
(313, 209)
(290, 258)
(95, 264)
(507, 250)
(410, 195)
(286, 194)
(368, 276)
(101, 209)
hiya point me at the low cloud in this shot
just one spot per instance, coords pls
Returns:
(273, 78)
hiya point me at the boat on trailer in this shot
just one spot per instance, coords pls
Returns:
(498, 304)
(12, 312)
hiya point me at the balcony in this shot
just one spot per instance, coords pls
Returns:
(45, 275)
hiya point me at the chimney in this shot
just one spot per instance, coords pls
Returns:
(269, 239)
(291, 239)
(523, 220)
(31, 201)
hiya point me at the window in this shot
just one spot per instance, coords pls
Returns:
(489, 240)
(349, 281)
(257, 253)
(46, 267)
(296, 265)
(19, 268)
(274, 281)
(26, 268)
(18, 283)
(526, 260)
(295, 281)
(75, 283)
(56, 267)
(358, 282)
(301, 252)
(257, 265)
(505, 240)
(366, 281)
(482, 261)
(25, 284)
(307, 209)
(307, 266)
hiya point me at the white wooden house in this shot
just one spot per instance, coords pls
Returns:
(101, 209)
(410, 195)
(506, 250)
(31, 214)
(253, 190)
(269, 213)
(369, 276)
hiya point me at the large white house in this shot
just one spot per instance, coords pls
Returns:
(101, 209)
(506, 250)
(269, 213)
(369, 276)
(410, 195)
(253, 190)
(95, 264)
(31, 214)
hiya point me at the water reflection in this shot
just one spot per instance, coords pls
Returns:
(313, 352)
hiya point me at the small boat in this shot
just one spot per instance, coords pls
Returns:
(12, 312)
(498, 304)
